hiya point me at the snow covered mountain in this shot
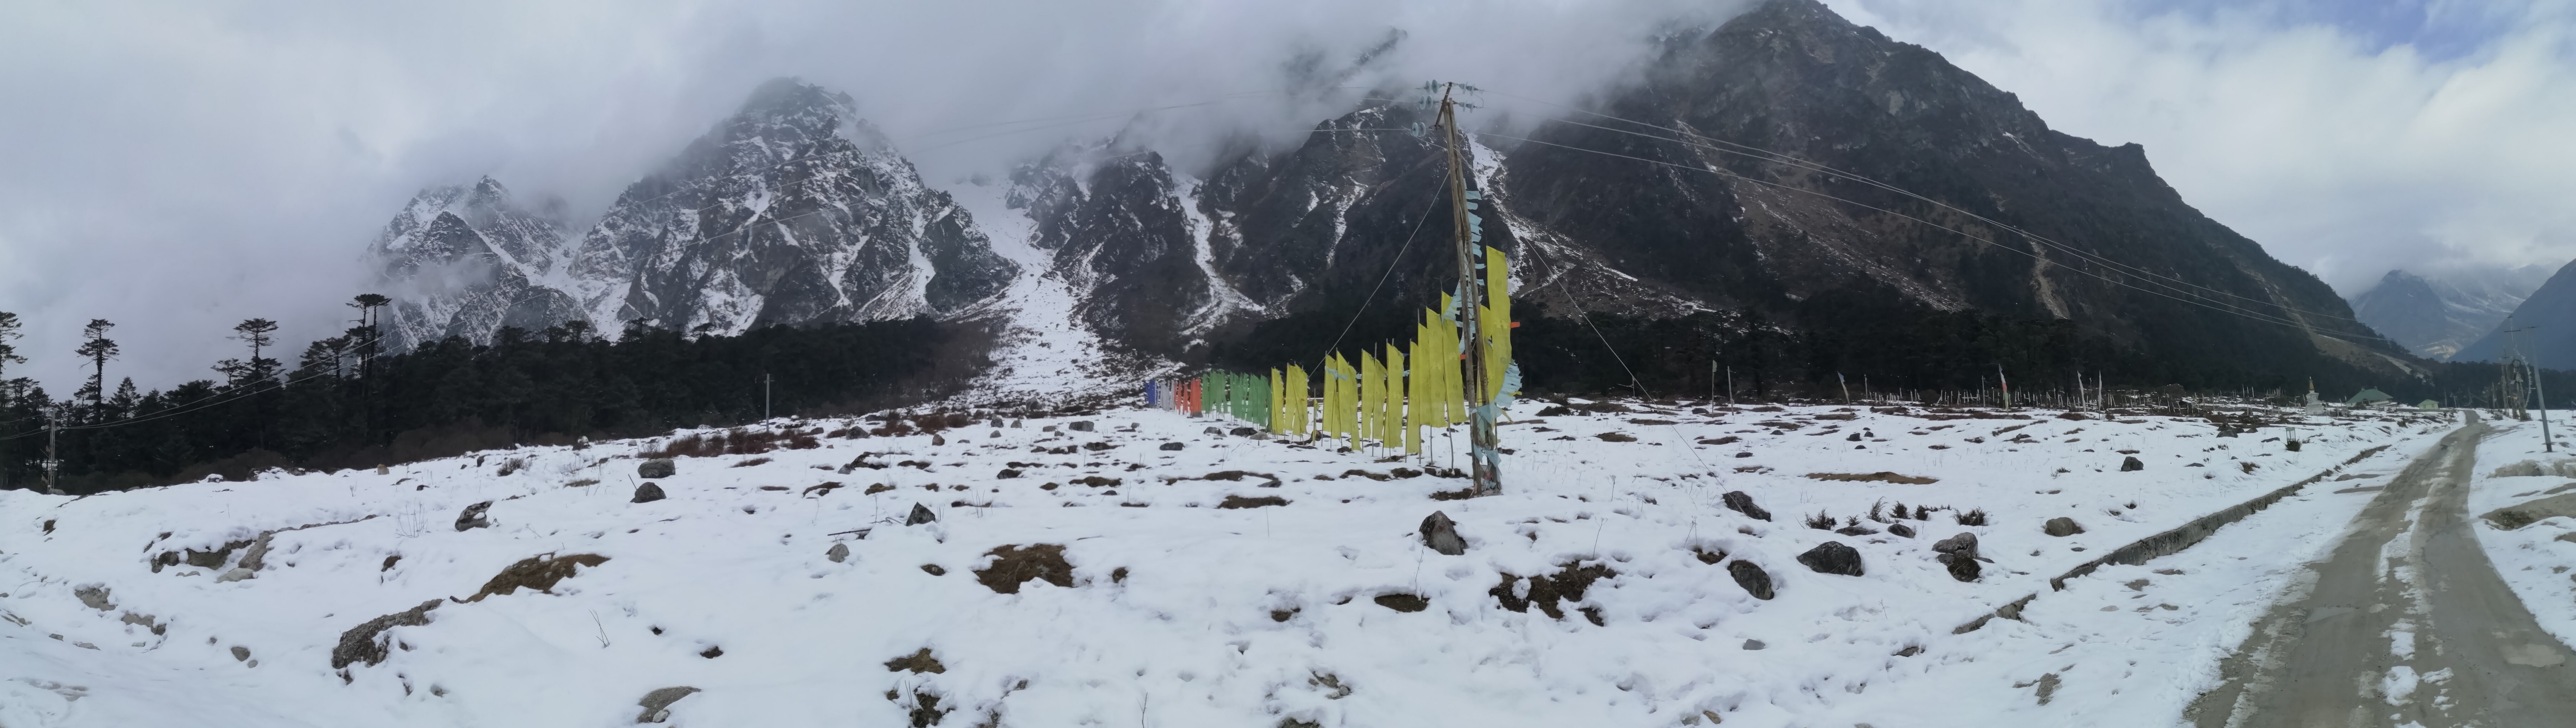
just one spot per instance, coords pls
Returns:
(796, 211)
(2438, 315)
(793, 211)
(468, 260)
(2552, 302)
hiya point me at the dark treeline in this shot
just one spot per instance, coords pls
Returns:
(343, 406)
(1877, 341)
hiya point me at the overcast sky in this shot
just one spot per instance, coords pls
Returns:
(178, 167)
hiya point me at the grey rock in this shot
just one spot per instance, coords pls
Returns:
(1901, 530)
(657, 468)
(240, 653)
(1739, 502)
(657, 704)
(1754, 580)
(840, 552)
(1959, 553)
(2130, 463)
(2061, 527)
(1015, 424)
(235, 574)
(1441, 534)
(1832, 557)
(473, 517)
(1856, 531)
(647, 493)
(1242, 432)
(1754, 644)
(1173, 446)
(1213, 431)
(94, 596)
(365, 643)
(920, 514)
(1081, 426)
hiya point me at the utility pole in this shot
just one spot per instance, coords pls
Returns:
(53, 464)
(765, 381)
(1483, 446)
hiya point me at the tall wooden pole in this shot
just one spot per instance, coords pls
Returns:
(1484, 453)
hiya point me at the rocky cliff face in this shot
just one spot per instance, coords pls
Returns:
(466, 261)
(793, 211)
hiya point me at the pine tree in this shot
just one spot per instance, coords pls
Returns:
(97, 348)
(8, 332)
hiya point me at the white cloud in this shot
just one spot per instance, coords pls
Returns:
(2339, 151)
(178, 167)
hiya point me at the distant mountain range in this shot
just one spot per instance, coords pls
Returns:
(2437, 316)
(1739, 181)
(2544, 319)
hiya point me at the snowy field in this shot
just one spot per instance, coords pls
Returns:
(2536, 554)
(1311, 601)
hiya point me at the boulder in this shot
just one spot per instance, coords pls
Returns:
(2131, 463)
(647, 493)
(1008, 473)
(1832, 557)
(1754, 580)
(920, 514)
(1739, 502)
(1959, 553)
(473, 517)
(1856, 531)
(241, 654)
(2061, 527)
(1441, 534)
(1081, 426)
(1754, 644)
(657, 468)
(840, 552)
(1172, 446)
(1242, 432)
(1961, 567)
(657, 704)
(1901, 530)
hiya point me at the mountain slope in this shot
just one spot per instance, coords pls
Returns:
(1793, 78)
(465, 261)
(2547, 308)
(2437, 316)
(793, 211)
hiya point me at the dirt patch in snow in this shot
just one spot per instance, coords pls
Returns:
(918, 662)
(1545, 591)
(536, 572)
(1877, 477)
(1015, 564)
(1236, 501)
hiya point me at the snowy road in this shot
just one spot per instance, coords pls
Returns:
(2407, 624)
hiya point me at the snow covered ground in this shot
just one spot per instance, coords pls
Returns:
(1171, 608)
(2534, 558)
